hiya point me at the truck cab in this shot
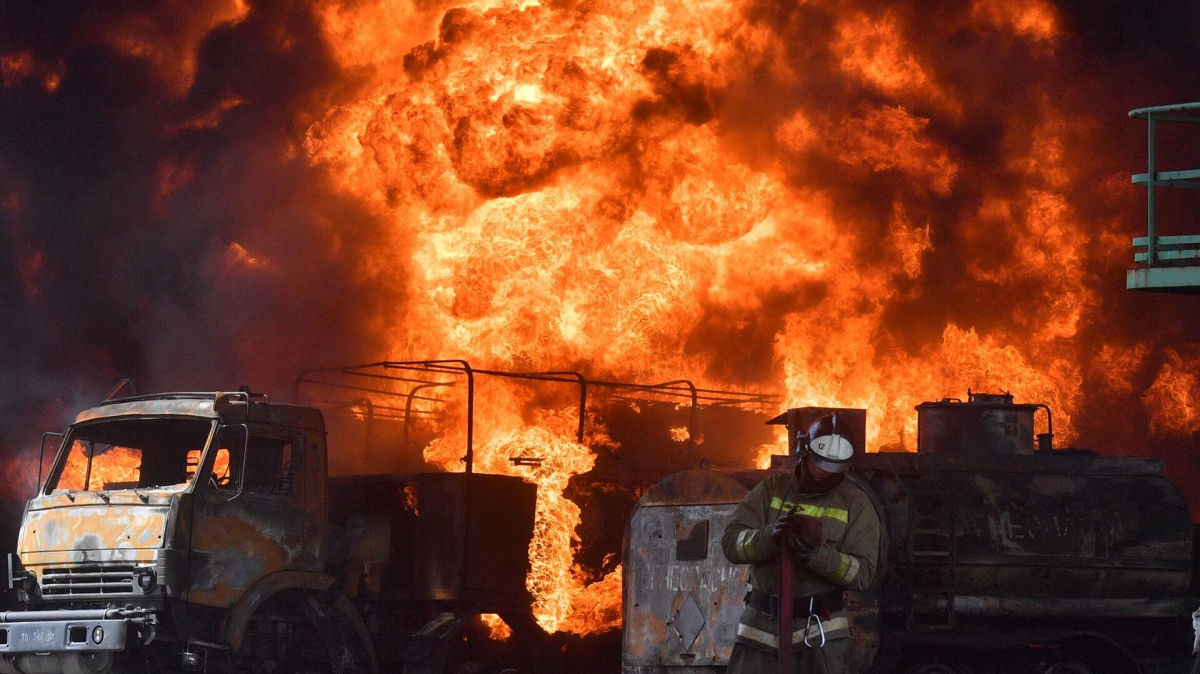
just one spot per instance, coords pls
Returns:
(164, 527)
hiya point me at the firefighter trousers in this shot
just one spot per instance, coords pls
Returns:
(832, 658)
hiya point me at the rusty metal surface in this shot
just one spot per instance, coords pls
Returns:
(693, 487)
(1038, 535)
(201, 405)
(240, 536)
(682, 598)
(60, 537)
(236, 534)
(1016, 607)
(159, 496)
(434, 537)
(975, 427)
(190, 407)
(1060, 462)
(94, 528)
(472, 537)
(235, 543)
(243, 609)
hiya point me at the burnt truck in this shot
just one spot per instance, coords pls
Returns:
(202, 532)
(998, 555)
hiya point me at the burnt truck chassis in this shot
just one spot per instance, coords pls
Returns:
(191, 567)
(230, 548)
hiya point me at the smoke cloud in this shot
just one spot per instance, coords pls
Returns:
(822, 198)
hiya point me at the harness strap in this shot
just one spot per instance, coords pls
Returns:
(833, 628)
(823, 604)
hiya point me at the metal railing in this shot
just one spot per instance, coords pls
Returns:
(1153, 250)
(407, 380)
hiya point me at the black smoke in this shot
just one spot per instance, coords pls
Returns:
(158, 217)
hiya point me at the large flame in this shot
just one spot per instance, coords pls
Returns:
(543, 451)
(617, 184)
(569, 195)
(854, 204)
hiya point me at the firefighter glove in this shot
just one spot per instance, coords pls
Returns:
(801, 532)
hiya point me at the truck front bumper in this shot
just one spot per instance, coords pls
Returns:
(67, 630)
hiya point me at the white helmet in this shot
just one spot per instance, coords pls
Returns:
(827, 445)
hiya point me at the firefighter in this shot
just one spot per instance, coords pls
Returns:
(830, 527)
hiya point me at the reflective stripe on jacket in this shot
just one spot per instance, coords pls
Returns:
(758, 629)
(850, 531)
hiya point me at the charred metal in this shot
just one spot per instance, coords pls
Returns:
(997, 556)
(203, 532)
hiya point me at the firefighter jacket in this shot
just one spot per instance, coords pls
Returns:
(846, 558)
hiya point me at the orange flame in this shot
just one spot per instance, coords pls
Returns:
(576, 184)
(1174, 397)
(116, 466)
(546, 457)
(498, 630)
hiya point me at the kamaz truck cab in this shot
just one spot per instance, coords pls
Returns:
(181, 531)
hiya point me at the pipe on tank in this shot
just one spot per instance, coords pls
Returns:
(1045, 441)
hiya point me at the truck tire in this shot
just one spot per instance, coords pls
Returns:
(95, 662)
(306, 632)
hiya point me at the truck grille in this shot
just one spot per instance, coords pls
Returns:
(89, 579)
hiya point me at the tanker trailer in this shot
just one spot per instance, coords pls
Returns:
(1000, 557)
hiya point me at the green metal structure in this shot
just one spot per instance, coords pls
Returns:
(1168, 263)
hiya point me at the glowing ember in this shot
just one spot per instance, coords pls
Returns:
(498, 630)
(410, 500)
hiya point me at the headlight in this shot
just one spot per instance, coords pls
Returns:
(146, 578)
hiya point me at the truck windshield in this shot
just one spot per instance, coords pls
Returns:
(130, 454)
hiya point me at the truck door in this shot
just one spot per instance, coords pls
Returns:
(249, 518)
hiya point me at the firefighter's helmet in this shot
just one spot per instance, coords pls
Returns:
(827, 445)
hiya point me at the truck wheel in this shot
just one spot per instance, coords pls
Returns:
(306, 633)
(95, 662)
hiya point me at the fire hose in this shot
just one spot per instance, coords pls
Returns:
(787, 577)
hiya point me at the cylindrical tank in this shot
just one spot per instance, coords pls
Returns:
(985, 424)
(1044, 557)
(1064, 534)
